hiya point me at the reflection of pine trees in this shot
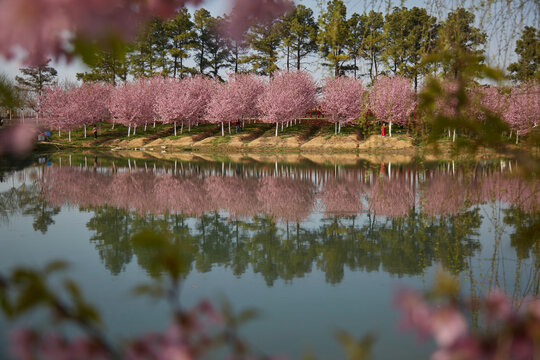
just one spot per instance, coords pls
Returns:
(28, 200)
(112, 237)
(400, 246)
(526, 235)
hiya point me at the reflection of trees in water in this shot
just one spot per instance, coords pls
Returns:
(401, 222)
(27, 198)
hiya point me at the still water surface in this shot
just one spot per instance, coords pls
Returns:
(315, 248)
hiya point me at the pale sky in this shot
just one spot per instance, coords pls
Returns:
(218, 7)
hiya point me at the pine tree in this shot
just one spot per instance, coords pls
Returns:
(35, 78)
(528, 51)
(333, 36)
(182, 37)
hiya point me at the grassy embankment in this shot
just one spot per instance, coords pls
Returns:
(255, 137)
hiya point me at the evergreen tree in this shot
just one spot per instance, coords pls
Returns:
(460, 37)
(333, 36)
(410, 35)
(35, 78)
(237, 47)
(264, 40)
(372, 41)
(202, 23)
(182, 37)
(110, 66)
(140, 55)
(160, 47)
(528, 51)
(356, 25)
(217, 47)
(299, 34)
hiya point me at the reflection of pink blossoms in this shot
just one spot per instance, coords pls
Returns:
(391, 197)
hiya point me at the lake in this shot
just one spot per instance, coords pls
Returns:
(314, 247)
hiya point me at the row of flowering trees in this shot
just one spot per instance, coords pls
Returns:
(281, 99)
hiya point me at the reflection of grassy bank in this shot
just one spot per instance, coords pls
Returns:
(168, 159)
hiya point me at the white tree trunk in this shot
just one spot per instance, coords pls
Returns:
(69, 135)
(175, 128)
(129, 129)
(144, 127)
(154, 124)
(189, 126)
(84, 130)
(510, 133)
(449, 133)
(59, 132)
(134, 129)
(229, 128)
(277, 124)
(112, 125)
(182, 127)
(339, 127)
(222, 129)
(282, 126)
(390, 129)
(517, 137)
(454, 136)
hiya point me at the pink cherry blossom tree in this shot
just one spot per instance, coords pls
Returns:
(523, 110)
(343, 100)
(392, 100)
(235, 100)
(131, 104)
(166, 102)
(287, 96)
(92, 100)
(60, 109)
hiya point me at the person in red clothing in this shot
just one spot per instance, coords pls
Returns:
(383, 130)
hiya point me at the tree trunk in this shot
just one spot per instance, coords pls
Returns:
(288, 52)
(182, 127)
(69, 136)
(229, 128)
(335, 128)
(189, 125)
(517, 137)
(390, 129)
(144, 127)
(154, 124)
(175, 128)
(222, 129)
(339, 127)
(59, 132)
(129, 129)
(112, 125)
(282, 126)
(454, 136)
(84, 130)
(135, 129)
(277, 124)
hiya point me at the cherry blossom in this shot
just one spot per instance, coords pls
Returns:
(343, 100)
(392, 100)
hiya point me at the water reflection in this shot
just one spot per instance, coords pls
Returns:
(284, 221)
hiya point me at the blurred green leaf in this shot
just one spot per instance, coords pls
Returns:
(55, 266)
(356, 349)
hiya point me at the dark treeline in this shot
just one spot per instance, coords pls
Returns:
(359, 45)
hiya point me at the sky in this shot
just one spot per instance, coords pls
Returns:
(219, 7)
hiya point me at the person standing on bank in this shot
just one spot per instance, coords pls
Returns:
(383, 130)
(94, 130)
